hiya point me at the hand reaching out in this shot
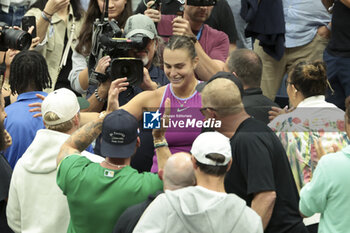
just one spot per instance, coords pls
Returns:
(275, 111)
(154, 14)
(182, 27)
(35, 41)
(117, 86)
(37, 106)
(159, 134)
(147, 83)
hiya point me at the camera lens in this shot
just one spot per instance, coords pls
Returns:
(126, 68)
(17, 39)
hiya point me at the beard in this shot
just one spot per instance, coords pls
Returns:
(145, 60)
(2, 137)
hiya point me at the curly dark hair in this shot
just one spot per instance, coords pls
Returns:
(93, 13)
(28, 71)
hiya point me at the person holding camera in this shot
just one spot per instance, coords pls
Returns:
(212, 46)
(83, 61)
(58, 24)
(139, 26)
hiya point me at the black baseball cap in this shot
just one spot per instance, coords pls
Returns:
(222, 74)
(119, 134)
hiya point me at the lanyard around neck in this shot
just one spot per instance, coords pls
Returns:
(200, 33)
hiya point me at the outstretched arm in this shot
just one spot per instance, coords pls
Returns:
(160, 143)
(84, 136)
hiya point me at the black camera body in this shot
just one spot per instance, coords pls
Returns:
(108, 40)
(13, 39)
(201, 2)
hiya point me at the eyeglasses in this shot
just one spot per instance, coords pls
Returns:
(205, 108)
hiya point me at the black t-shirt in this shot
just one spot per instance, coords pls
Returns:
(339, 44)
(260, 164)
(257, 105)
(128, 220)
(5, 178)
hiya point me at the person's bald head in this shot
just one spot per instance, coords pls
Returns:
(222, 95)
(178, 172)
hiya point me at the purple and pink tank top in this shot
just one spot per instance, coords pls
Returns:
(182, 130)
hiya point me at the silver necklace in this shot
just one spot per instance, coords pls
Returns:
(184, 101)
(181, 104)
(115, 165)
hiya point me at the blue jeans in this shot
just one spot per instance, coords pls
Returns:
(338, 73)
(14, 17)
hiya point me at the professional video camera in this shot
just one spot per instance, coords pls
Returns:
(108, 39)
(13, 38)
(201, 2)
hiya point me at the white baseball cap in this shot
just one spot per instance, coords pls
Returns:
(209, 143)
(63, 102)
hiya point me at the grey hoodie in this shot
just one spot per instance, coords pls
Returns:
(36, 204)
(197, 209)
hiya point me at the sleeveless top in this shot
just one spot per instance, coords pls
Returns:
(182, 129)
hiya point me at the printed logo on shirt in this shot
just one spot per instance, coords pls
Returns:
(151, 120)
(109, 173)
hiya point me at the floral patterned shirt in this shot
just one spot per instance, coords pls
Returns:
(299, 130)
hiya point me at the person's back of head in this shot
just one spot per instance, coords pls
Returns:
(29, 72)
(212, 153)
(119, 135)
(60, 110)
(310, 78)
(223, 96)
(178, 172)
(247, 65)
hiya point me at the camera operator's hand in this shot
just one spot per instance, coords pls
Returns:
(147, 83)
(102, 64)
(182, 27)
(10, 54)
(155, 15)
(53, 6)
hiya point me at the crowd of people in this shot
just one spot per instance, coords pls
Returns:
(164, 119)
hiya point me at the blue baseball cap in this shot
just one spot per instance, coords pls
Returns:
(119, 134)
